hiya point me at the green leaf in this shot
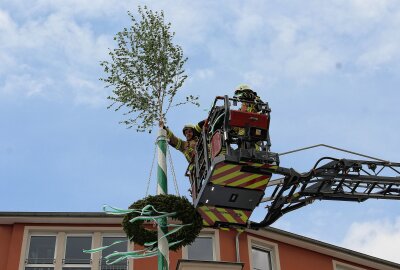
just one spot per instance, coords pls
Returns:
(145, 70)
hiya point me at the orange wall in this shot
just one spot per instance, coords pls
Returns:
(228, 245)
(10, 246)
(301, 259)
(5, 238)
(118, 226)
(151, 263)
(291, 257)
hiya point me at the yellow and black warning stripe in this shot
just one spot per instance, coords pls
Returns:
(212, 214)
(226, 174)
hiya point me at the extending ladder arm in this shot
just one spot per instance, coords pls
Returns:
(339, 179)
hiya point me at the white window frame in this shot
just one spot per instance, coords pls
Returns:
(268, 246)
(61, 232)
(351, 267)
(114, 235)
(28, 243)
(128, 244)
(105, 235)
(214, 234)
(90, 265)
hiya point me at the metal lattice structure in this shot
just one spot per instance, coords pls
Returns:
(338, 179)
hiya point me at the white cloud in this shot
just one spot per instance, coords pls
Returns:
(58, 35)
(309, 59)
(262, 43)
(377, 238)
(370, 9)
(85, 8)
(87, 92)
(26, 85)
(255, 79)
(7, 62)
(203, 74)
(263, 46)
(53, 38)
(43, 50)
(379, 55)
(7, 28)
(6, 23)
(305, 42)
(248, 24)
(363, 33)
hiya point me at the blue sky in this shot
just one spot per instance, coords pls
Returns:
(329, 70)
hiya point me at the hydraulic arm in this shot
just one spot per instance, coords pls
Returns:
(338, 179)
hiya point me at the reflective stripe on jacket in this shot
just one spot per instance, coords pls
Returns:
(187, 148)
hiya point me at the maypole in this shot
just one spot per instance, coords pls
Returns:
(145, 72)
(162, 189)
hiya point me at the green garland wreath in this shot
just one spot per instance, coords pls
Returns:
(185, 212)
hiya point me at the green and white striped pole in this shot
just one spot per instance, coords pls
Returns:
(162, 188)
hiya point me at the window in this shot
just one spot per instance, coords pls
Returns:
(201, 249)
(41, 252)
(261, 259)
(264, 255)
(121, 247)
(61, 248)
(205, 247)
(74, 258)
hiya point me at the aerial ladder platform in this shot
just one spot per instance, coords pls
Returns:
(233, 167)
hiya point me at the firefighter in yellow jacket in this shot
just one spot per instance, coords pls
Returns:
(250, 103)
(243, 92)
(188, 147)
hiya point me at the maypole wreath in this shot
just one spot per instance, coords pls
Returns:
(186, 215)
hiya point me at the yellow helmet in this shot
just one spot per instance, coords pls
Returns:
(242, 87)
(244, 92)
(188, 126)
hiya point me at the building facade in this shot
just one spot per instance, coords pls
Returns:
(54, 241)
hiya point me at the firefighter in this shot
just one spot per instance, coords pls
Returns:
(250, 100)
(243, 92)
(188, 147)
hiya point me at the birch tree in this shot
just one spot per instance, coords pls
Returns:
(145, 71)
